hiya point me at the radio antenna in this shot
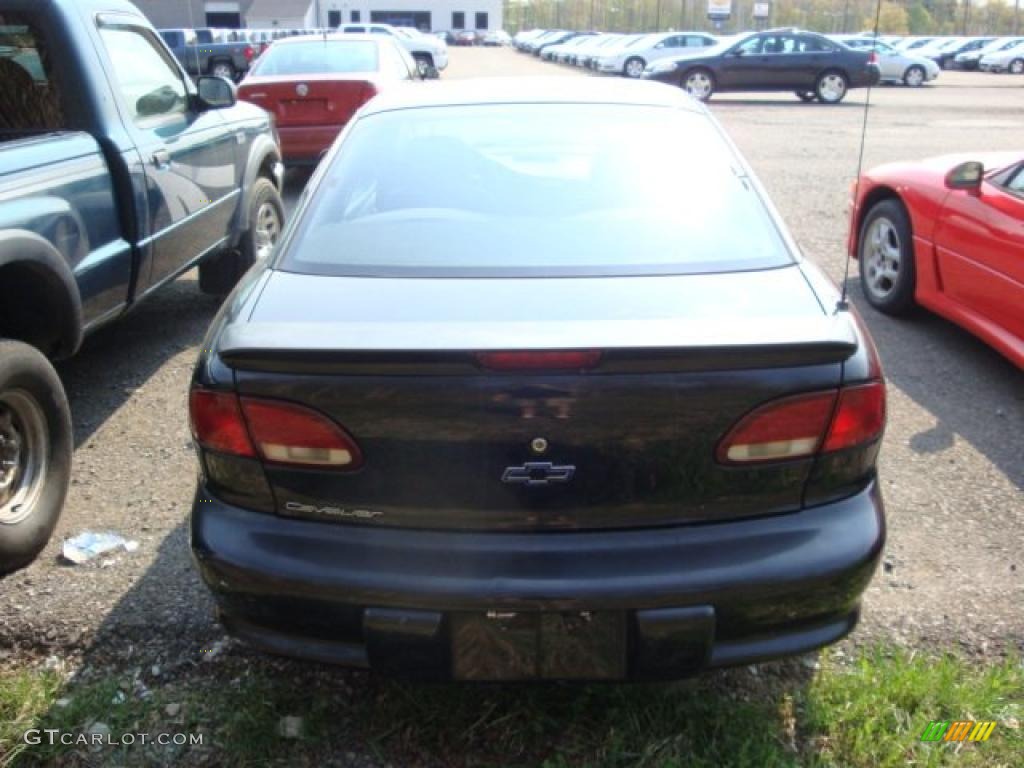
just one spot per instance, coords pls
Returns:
(843, 303)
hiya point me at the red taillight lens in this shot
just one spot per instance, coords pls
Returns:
(859, 417)
(802, 426)
(790, 428)
(217, 423)
(285, 433)
(872, 58)
(249, 53)
(533, 361)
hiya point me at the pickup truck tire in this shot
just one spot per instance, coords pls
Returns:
(425, 64)
(219, 274)
(35, 453)
(223, 69)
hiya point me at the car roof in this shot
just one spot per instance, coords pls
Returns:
(532, 90)
(330, 37)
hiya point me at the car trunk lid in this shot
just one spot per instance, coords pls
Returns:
(311, 100)
(450, 440)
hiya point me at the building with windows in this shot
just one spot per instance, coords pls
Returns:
(427, 15)
(195, 14)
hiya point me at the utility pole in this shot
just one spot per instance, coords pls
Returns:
(591, 15)
(316, 6)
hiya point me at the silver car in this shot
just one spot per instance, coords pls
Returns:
(1008, 60)
(894, 65)
(631, 61)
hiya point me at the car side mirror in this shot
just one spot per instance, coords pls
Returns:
(737, 52)
(967, 176)
(216, 92)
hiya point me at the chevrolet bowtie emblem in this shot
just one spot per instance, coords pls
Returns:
(538, 473)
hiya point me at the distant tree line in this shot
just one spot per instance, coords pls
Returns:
(896, 17)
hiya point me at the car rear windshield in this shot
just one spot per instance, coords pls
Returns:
(534, 190)
(326, 57)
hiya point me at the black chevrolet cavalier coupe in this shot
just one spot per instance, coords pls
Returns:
(537, 386)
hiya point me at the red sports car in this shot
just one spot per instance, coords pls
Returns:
(948, 234)
(314, 84)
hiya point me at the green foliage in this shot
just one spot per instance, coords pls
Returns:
(923, 17)
(863, 713)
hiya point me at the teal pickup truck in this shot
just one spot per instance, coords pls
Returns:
(117, 174)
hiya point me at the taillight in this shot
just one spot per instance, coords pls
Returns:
(859, 417)
(217, 422)
(276, 432)
(791, 428)
(249, 53)
(805, 425)
(561, 360)
(285, 433)
(872, 58)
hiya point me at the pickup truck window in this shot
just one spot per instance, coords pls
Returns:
(29, 97)
(149, 83)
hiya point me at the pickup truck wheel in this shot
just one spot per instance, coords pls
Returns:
(223, 69)
(425, 65)
(219, 274)
(35, 453)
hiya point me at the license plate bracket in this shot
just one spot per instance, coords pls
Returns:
(556, 645)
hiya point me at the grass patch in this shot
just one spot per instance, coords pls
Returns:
(870, 712)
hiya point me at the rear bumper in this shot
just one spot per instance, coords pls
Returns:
(690, 597)
(303, 145)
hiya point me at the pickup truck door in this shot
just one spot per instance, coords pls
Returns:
(189, 155)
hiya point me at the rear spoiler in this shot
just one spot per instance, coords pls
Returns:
(642, 346)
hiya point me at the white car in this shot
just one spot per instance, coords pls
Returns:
(556, 52)
(498, 37)
(914, 43)
(895, 66)
(633, 59)
(1010, 60)
(971, 59)
(602, 44)
(429, 51)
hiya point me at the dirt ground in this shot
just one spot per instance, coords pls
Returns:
(952, 465)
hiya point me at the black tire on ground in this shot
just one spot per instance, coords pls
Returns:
(223, 69)
(219, 274)
(806, 95)
(822, 86)
(36, 444)
(914, 76)
(885, 233)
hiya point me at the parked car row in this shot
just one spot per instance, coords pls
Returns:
(811, 65)
(469, 37)
(988, 54)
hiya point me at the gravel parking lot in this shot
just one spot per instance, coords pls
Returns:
(952, 463)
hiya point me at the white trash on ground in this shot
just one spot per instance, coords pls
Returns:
(86, 546)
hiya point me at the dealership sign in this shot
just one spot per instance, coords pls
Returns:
(762, 10)
(719, 9)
